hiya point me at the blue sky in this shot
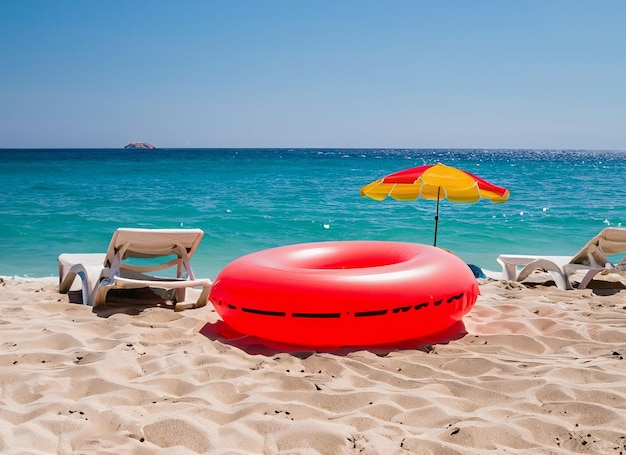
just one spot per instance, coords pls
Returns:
(340, 73)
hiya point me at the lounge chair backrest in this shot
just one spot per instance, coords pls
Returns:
(145, 243)
(153, 243)
(612, 240)
(608, 241)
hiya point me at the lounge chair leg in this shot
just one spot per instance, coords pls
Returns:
(587, 278)
(202, 301)
(100, 296)
(561, 280)
(84, 288)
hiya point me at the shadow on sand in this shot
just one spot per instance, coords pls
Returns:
(129, 301)
(222, 332)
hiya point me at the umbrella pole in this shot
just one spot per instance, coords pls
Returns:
(437, 216)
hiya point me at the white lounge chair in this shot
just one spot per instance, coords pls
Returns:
(132, 256)
(590, 259)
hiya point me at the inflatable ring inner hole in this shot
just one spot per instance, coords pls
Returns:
(334, 258)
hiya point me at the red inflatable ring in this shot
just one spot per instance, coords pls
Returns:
(350, 293)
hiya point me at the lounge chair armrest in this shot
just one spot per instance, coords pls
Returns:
(163, 283)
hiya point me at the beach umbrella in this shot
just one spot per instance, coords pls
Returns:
(435, 182)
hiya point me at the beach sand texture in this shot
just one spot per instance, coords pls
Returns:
(539, 371)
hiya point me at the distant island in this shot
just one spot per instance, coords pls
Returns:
(139, 145)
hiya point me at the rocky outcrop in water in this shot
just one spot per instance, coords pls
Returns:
(139, 145)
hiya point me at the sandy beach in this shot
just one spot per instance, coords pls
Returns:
(538, 370)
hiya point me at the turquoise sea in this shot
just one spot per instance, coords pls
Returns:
(71, 200)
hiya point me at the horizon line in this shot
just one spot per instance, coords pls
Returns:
(324, 148)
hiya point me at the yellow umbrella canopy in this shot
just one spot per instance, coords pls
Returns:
(435, 182)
